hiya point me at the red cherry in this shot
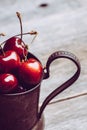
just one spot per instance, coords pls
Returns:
(17, 45)
(9, 62)
(30, 72)
(8, 83)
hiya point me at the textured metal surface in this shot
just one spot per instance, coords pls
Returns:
(19, 112)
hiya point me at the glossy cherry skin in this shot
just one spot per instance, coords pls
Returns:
(15, 44)
(9, 62)
(30, 72)
(8, 83)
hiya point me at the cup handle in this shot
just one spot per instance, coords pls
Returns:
(70, 81)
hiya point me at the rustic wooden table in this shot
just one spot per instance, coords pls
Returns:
(62, 25)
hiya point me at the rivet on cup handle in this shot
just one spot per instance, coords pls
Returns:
(68, 83)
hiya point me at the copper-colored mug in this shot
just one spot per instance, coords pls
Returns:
(20, 111)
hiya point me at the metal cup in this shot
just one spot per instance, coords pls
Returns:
(20, 111)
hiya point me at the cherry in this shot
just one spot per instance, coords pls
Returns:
(14, 61)
(9, 62)
(30, 72)
(1, 50)
(17, 45)
(8, 83)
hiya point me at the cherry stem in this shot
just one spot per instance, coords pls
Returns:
(31, 33)
(2, 34)
(34, 37)
(1, 49)
(19, 17)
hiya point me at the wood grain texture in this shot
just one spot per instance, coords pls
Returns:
(62, 25)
